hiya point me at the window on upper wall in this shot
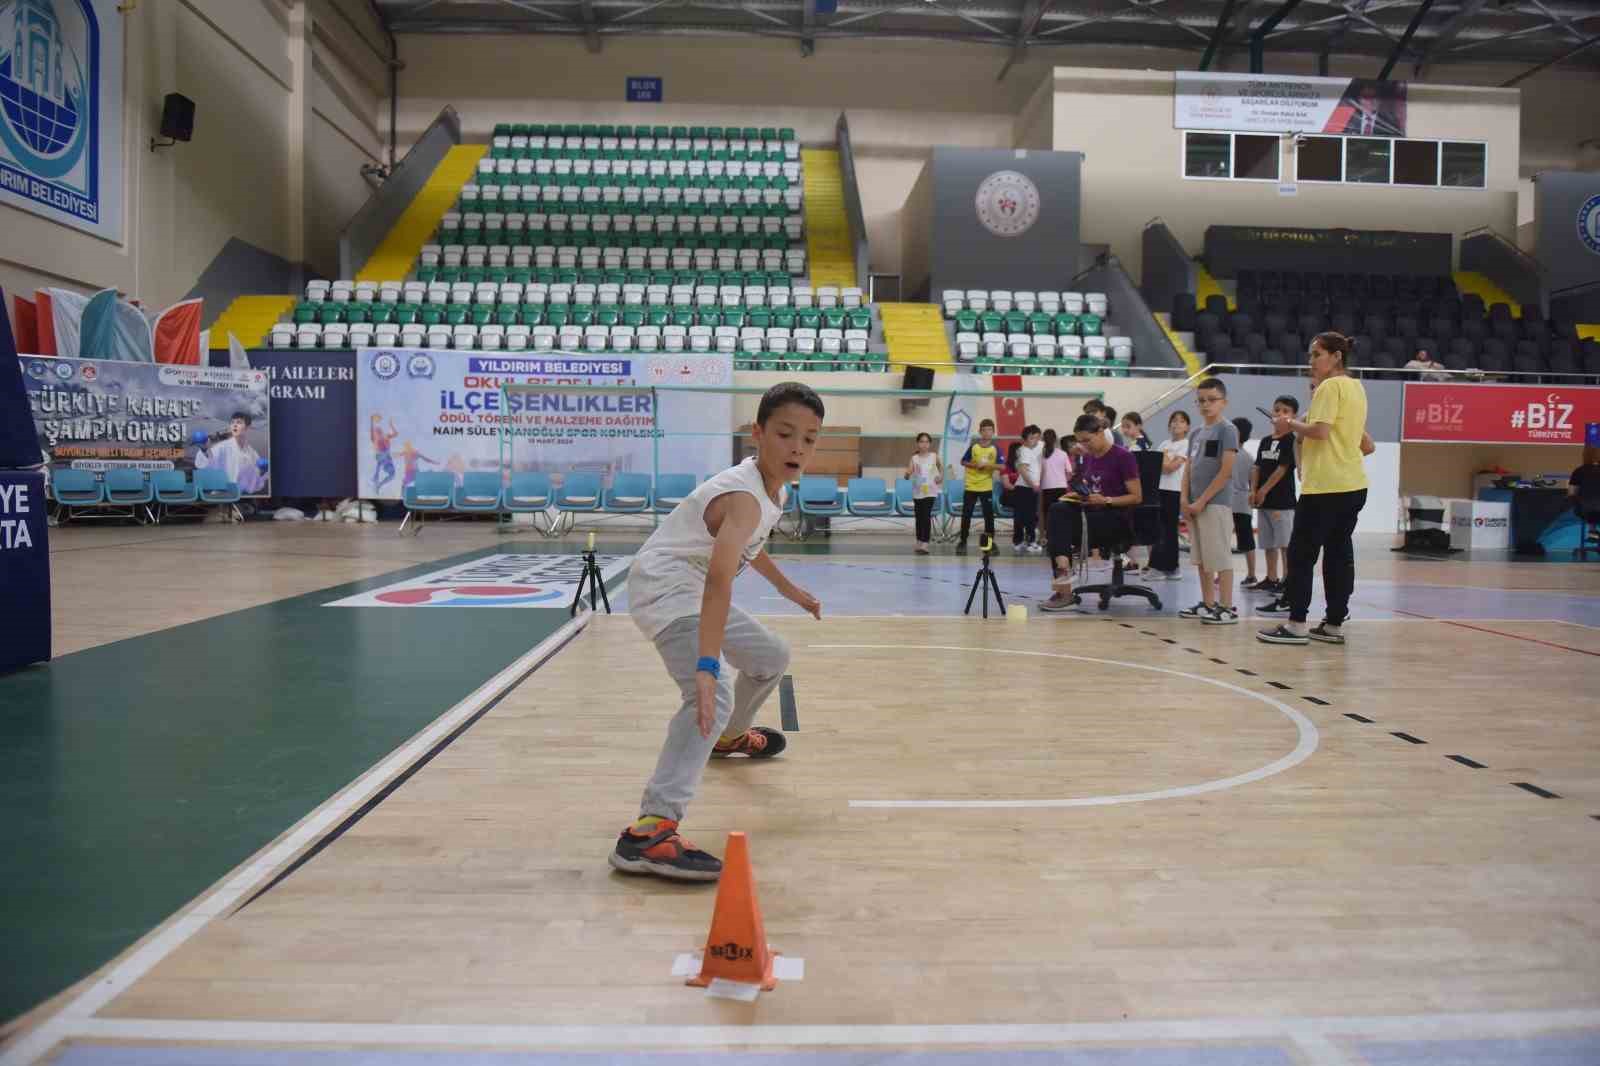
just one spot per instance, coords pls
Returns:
(1388, 161)
(1367, 159)
(1465, 165)
(1208, 155)
(1255, 157)
(1320, 159)
(1416, 162)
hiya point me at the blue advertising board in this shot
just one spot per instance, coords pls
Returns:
(24, 570)
(313, 421)
(644, 90)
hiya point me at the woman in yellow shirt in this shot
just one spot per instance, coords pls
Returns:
(1333, 441)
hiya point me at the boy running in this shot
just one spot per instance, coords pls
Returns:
(680, 593)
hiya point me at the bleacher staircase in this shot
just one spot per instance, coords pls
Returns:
(916, 335)
(828, 249)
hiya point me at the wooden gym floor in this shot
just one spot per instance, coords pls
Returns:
(1108, 839)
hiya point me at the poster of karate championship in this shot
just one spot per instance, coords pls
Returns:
(1261, 103)
(427, 409)
(95, 414)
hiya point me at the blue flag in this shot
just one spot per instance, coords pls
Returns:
(19, 441)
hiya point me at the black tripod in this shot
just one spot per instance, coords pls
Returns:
(593, 581)
(985, 580)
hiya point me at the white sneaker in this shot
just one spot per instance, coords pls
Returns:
(1221, 616)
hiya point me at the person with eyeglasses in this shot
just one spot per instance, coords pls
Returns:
(1333, 442)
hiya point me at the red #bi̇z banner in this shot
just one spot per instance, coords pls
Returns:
(1498, 414)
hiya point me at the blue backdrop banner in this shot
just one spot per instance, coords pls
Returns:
(313, 422)
(24, 570)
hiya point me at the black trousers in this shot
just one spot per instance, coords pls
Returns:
(924, 508)
(987, 499)
(1325, 524)
(1025, 511)
(1108, 530)
(1164, 556)
(1048, 498)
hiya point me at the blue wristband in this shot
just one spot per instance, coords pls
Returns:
(709, 665)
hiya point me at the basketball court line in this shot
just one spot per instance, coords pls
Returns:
(1305, 745)
(178, 929)
(1495, 632)
(1311, 1034)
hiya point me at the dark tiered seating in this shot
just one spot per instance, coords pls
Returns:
(1389, 318)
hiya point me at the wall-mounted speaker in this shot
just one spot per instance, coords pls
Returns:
(177, 117)
(917, 377)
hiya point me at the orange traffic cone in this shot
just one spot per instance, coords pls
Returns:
(737, 948)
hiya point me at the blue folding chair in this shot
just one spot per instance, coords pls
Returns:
(174, 492)
(818, 497)
(954, 496)
(75, 490)
(432, 491)
(214, 488)
(671, 489)
(579, 494)
(868, 497)
(529, 493)
(628, 494)
(127, 487)
(905, 498)
(478, 493)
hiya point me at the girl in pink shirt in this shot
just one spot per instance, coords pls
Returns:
(1055, 472)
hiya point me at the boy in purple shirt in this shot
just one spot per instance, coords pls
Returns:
(1104, 490)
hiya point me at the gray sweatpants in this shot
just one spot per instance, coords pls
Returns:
(760, 656)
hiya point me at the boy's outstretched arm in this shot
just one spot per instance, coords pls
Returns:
(763, 565)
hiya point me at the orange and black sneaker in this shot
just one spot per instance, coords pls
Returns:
(757, 743)
(659, 850)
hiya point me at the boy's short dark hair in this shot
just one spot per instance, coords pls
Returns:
(1109, 414)
(1134, 417)
(1091, 405)
(785, 393)
(1214, 384)
(1288, 401)
(1245, 428)
(1029, 430)
(986, 422)
(1087, 423)
(243, 416)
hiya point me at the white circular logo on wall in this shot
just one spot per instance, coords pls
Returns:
(1008, 203)
(1589, 224)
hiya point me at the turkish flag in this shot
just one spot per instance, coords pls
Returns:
(1009, 417)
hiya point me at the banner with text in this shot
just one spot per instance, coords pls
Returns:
(24, 570)
(1260, 103)
(61, 112)
(1498, 414)
(94, 414)
(426, 409)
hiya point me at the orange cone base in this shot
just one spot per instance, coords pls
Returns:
(766, 980)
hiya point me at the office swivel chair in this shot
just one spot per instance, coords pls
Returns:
(1146, 532)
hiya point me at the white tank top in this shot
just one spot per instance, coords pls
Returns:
(668, 577)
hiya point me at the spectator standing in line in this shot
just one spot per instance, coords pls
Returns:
(1025, 492)
(1272, 493)
(1244, 532)
(1208, 502)
(1055, 471)
(1175, 457)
